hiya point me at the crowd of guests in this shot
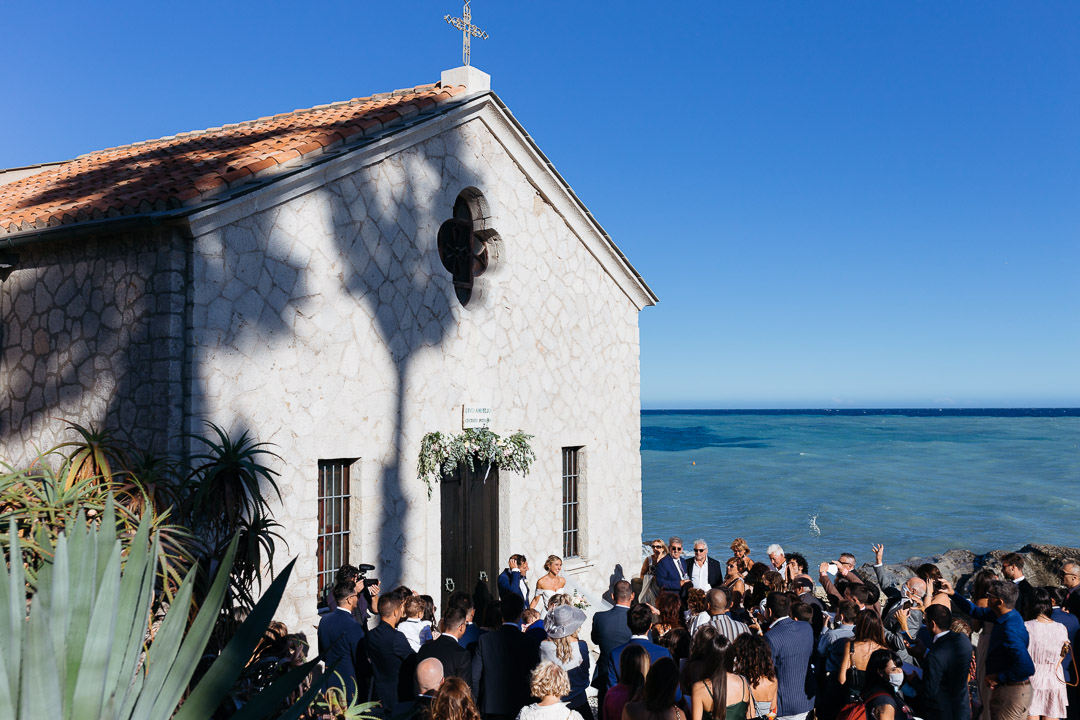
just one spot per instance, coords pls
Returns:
(705, 641)
(515, 657)
(843, 644)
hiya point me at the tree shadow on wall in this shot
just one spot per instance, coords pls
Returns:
(392, 252)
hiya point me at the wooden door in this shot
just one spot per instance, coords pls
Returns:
(470, 534)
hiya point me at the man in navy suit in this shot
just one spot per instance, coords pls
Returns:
(504, 658)
(792, 644)
(639, 620)
(341, 640)
(671, 573)
(512, 579)
(609, 631)
(456, 660)
(462, 600)
(945, 668)
(1072, 625)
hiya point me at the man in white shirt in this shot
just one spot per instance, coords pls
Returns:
(705, 572)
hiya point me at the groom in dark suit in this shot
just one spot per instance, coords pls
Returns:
(512, 580)
(945, 674)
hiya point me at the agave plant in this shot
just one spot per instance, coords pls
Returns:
(94, 456)
(227, 477)
(77, 649)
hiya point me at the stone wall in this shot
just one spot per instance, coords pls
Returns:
(92, 332)
(327, 325)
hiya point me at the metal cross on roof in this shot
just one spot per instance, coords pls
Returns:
(468, 30)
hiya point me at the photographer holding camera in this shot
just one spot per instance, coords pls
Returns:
(367, 592)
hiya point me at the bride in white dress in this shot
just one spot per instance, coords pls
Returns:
(548, 585)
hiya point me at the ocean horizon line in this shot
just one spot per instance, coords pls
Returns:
(855, 412)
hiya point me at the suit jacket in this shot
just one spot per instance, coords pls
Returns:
(655, 653)
(388, 649)
(1072, 601)
(945, 678)
(609, 630)
(456, 660)
(472, 634)
(341, 641)
(792, 644)
(510, 582)
(667, 574)
(716, 573)
(818, 622)
(504, 659)
(1025, 589)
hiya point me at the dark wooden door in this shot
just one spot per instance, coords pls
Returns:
(470, 534)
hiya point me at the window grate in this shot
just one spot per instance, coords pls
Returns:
(570, 504)
(334, 530)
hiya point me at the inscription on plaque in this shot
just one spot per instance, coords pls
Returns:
(475, 416)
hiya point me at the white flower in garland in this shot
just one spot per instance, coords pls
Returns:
(440, 454)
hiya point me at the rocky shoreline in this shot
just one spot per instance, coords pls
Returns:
(1041, 565)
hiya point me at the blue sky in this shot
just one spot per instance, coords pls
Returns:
(852, 203)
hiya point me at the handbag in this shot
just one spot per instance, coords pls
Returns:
(753, 703)
(648, 588)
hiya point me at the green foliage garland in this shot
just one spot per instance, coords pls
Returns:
(440, 454)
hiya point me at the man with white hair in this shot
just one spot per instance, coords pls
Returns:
(705, 572)
(777, 557)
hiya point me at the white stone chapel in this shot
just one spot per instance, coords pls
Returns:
(288, 276)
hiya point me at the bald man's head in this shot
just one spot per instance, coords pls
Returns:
(429, 675)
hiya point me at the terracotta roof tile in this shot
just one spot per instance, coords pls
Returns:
(188, 168)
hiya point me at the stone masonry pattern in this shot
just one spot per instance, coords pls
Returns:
(92, 332)
(328, 326)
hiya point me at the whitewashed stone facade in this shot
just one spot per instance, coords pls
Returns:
(316, 314)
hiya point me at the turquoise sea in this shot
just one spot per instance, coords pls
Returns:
(822, 482)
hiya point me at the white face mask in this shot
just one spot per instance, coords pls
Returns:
(896, 679)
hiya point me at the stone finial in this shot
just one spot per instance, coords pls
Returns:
(473, 79)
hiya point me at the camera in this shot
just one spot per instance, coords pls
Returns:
(364, 569)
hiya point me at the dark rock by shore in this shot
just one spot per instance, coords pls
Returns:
(1041, 565)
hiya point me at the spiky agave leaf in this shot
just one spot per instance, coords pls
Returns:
(78, 652)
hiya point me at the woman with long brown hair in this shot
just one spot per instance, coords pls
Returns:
(751, 657)
(658, 698)
(634, 664)
(721, 695)
(869, 637)
(453, 701)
